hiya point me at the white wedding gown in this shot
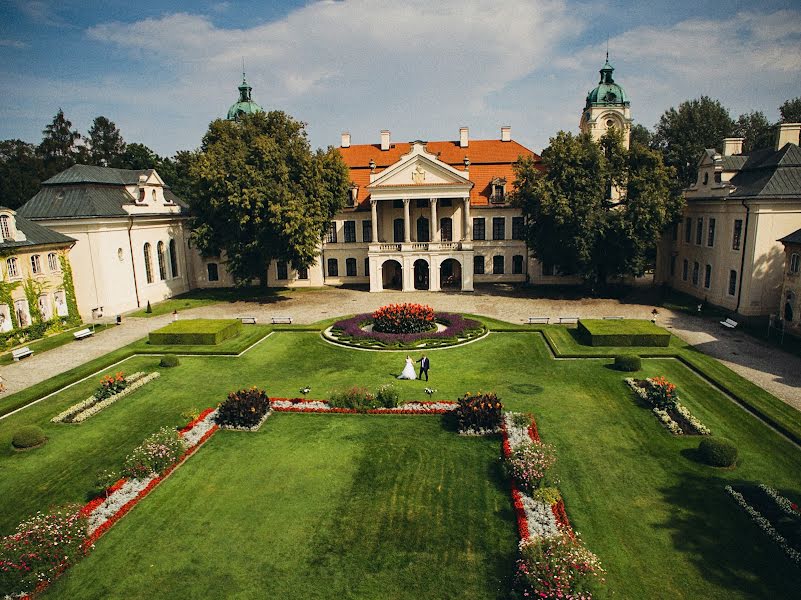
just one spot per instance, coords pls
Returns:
(408, 370)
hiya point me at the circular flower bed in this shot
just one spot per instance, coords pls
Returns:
(445, 329)
(403, 318)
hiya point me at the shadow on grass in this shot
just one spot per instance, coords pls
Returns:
(719, 538)
(527, 389)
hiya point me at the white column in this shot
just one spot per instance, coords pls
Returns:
(407, 230)
(467, 230)
(374, 217)
(407, 282)
(433, 274)
(434, 221)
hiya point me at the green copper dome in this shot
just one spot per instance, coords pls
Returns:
(245, 105)
(608, 93)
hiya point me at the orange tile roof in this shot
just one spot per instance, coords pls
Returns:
(488, 159)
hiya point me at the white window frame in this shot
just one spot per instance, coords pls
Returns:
(12, 265)
(36, 264)
(52, 262)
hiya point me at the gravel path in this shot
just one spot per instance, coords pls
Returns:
(775, 371)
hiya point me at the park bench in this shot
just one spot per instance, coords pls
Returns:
(248, 320)
(613, 318)
(284, 320)
(83, 333)
(21, 352)
(539, 320)
(564, 320)
(730, 323)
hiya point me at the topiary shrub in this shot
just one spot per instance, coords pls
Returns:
(243, 409)
(717, 452)
(169, 360)
(628, 362)
(148, 310)
(29, 436)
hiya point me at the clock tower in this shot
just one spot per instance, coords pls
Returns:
(607, 106)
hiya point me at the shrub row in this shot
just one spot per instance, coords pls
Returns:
(361, 399)
(622, 333)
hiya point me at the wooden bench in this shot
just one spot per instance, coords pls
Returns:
(730, 323)
(613, 318)
(248, 320)
(540, 320)
(21, 352)
(563, 320)
(83, 333)
(284, 320)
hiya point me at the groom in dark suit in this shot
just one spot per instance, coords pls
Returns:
(424, 365)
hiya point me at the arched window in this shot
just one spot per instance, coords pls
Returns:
(5, 227)
(13, 267)
(52, 261)
(794, 263)
(162, 263)
(153, 195)
(422, 229)
(446, 229)
(173, 259)
(350, 267)
(148, 264)
(333, 267)
(36, 264)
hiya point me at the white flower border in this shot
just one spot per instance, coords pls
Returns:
(784, 504)
(663, 416)
(91, 406)
(765, 525)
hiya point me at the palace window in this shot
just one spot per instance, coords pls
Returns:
(173, 259)
(303, 273)
(732, 282)
(497, 264)
(367, 267)
(52, 261)
(331, 236)
(350, 267)
(446, 229)
(36, 264)
(710, 238)
(5, 227)
(794, 263)
(12, 266)
(517, 264)
(149, 265)
(684, 269)
(422, 229)
(498, 228)
(398, 230)
(349, 231)
(333, 267)
(162, 262)
(479, 228)
(696, 268)
(688, 229)
(517, 228)
(367, 231)
(282, 270)
(738, 234)
(213, 272)
(708, 276)
(498, 190)
(478, 264)
(699, 231)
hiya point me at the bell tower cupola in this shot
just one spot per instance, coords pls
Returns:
(607, 106)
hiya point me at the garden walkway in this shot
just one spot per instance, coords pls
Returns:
(777, 372)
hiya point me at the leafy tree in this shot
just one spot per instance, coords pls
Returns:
(137, 156)
(105, 142)
(641, 135)
(58, 144)
(756, 129)
(682, 135)
(790, 111)
(21, 171)
(176, 172)
(262, 194)
(572, 219)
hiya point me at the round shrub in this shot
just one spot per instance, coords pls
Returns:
(169, 360)
(628, 362)
(28, 437)
(243, 409)
(717, 452)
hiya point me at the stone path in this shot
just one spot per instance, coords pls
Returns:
(775, 371)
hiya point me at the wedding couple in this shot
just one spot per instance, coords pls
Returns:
(408, 370)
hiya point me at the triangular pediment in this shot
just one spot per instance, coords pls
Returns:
(419, 168)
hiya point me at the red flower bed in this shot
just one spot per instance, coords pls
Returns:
(403, 318)
(561, 517)
(533, 433)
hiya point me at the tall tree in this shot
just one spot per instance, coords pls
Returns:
(262, 194)
(574, 222)
(682, 135)
(105, 142)
(641, 135)
(756, 129)
(58, 144)
(790, 111)
(176, 173)
(137, 156)
(21, 171)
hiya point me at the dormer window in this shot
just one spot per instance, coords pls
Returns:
(5, 227)
(354, 194)
(498, 190)
(706, 177)
(153, 196)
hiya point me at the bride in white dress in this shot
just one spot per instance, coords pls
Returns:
(408, 370)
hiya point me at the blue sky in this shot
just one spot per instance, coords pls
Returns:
(163, 70)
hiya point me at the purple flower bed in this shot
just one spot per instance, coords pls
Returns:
(456, 327)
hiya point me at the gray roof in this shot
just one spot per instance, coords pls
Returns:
(793, 238)
(35, 234)
(88, 191)
(734, 162)
(770, 174)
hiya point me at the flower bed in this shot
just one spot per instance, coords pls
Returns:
(479, 414)
(77, 413)
(457, 330)
(244, 410)
(403, 318)
(672, 414)
(322, 406)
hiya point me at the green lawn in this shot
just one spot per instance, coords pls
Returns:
(660, 522)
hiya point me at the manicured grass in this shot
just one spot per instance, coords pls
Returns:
(53, 341)
(193, 332)
(317, 507)
(624, 332)
(659, 521)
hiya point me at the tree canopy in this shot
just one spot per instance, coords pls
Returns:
(574, 222)
(105, 142)
(756, 129)
(261, 194)
(790, 111)
(58, 147)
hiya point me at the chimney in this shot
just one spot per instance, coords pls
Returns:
(788, 132)
(732, 146)
(385, 139)
(345, 139)
(506, 133)
(463, 137)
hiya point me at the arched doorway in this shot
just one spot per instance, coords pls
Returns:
(450, 274)
(421, 274)
(391, 275)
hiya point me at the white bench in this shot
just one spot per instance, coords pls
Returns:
(613, 318)
(730, 323)
(284, 320)
(21, 352)
(540, 320)
(83, 333)
(573, 320)
(248, 320)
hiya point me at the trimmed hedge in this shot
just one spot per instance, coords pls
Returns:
(29, 436)
(628, 362)
(200, 332)
(717, 452)
(626, 332)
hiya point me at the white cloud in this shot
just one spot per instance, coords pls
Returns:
(7, 43)
(41, 13)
